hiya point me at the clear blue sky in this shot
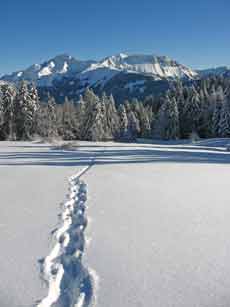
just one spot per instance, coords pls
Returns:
(194, 32)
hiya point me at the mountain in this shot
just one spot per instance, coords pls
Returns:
(217, 71)
(44, 74)
(122, 75)
(159, 67)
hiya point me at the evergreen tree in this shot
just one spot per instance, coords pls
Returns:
(217, 112)
(96, 131)
(25, 108)
(8, 129)
(51, 118)
(112, 118)
(81, 115)
(106, 133)
(133, 126)
(70, 124)
(167, 126)
(91, 108)
(123, 122)
(224, 123)
(191, 114)
(145, 117)
(34, 107)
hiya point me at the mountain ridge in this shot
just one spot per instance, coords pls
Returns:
(123, 75)
(64, 65)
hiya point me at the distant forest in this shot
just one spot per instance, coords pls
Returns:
(201, 109)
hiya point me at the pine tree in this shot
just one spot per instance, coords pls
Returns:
(224, 123)
(70, 123)
(96, 131)
(112, 118)
(81, 116)
(34, 107)
(8, 129)
(144, 116)
(217, 112)
(91, 102)
(2, 137)
(106, 133)
(51, 118)
(25, 108)
(167, 126)
(191, 114)
(123, 122)
(133, 126)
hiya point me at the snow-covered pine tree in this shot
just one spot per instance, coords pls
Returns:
(144, 116)
(34, 107)
(98, 131)
(8, 94)
(91, 108)
(191, 114)
(106, 133)
(70, 123)
(51, 118)
(25, 108)
(42, 120)
(167, 126)
(81, 116)
(112, 118)
(123, 122)
(217, 112)
(159, 125)
(172, 127)
(224, 123)
(47, 126)
(133, 126)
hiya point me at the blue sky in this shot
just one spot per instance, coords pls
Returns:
(195, 33)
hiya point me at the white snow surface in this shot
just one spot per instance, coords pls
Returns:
(160, 225)
(34, 182)
(158, 221)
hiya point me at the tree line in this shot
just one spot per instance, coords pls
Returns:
(23, 116)
(202, 108)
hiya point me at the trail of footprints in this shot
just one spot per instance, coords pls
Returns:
(69, 282)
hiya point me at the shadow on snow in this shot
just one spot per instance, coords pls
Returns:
(127, 154)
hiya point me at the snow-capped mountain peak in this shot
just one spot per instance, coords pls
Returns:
(123, 73)
(44, 74)
(157, 66)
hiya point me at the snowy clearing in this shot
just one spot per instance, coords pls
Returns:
(158, 216)
(34, 183)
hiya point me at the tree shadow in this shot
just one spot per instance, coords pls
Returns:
(116, 155)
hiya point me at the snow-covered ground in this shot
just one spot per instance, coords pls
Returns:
(158, 221)
(160, 225)
(33, 183)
